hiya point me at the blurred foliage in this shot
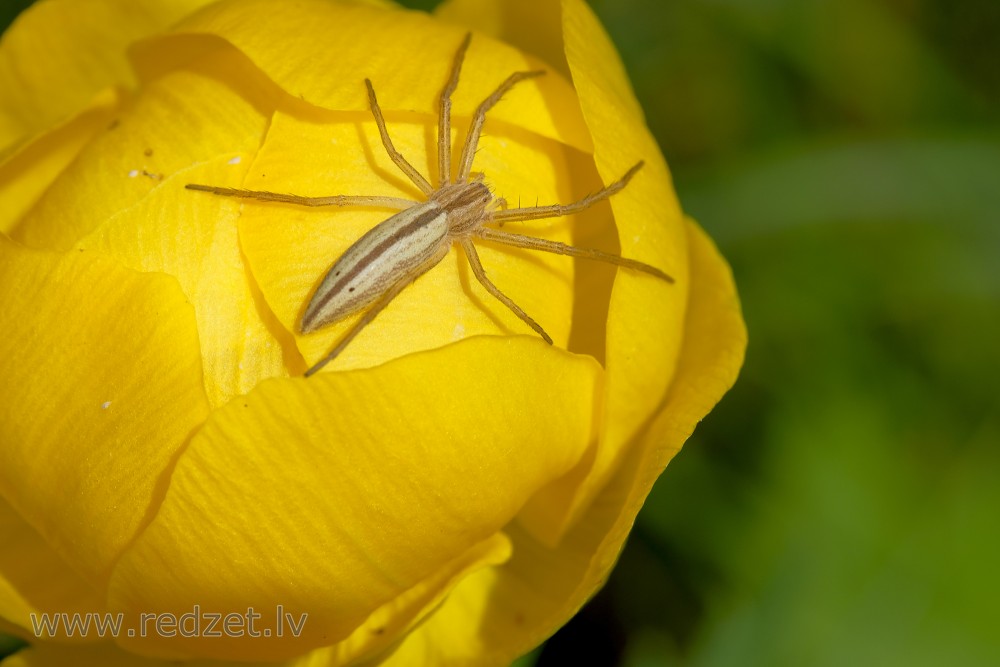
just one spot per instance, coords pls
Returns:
(840, 506)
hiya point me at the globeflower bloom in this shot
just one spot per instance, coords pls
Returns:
(448, 491)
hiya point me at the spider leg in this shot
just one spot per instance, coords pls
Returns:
(444, 119)
(480, 273)
(397, 203)
(395, 155)
(532, 243)
(472, 139)
(557, 210)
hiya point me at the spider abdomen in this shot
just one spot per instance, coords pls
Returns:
(389, 252)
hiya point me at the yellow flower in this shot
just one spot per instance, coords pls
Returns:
(451, 489)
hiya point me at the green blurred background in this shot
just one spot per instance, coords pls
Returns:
(841, 506)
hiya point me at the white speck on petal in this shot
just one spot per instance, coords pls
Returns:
(133, 173)
(458, 331)
(236, 160)
(105, 405)
(635, 239)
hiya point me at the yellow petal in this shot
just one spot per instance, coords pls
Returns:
(306, 458)
(500, 613)
(383, 628)
(313, 51)
(643, 318)
(90, 416)
(338, 494)
(59, 54)
(290, 248)
(217, 106)
(33, 579)
(28, 171)
(191, 235)
(532, 26)
(646, 315)
(99, 655)
(110, 655)
(194, 239)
